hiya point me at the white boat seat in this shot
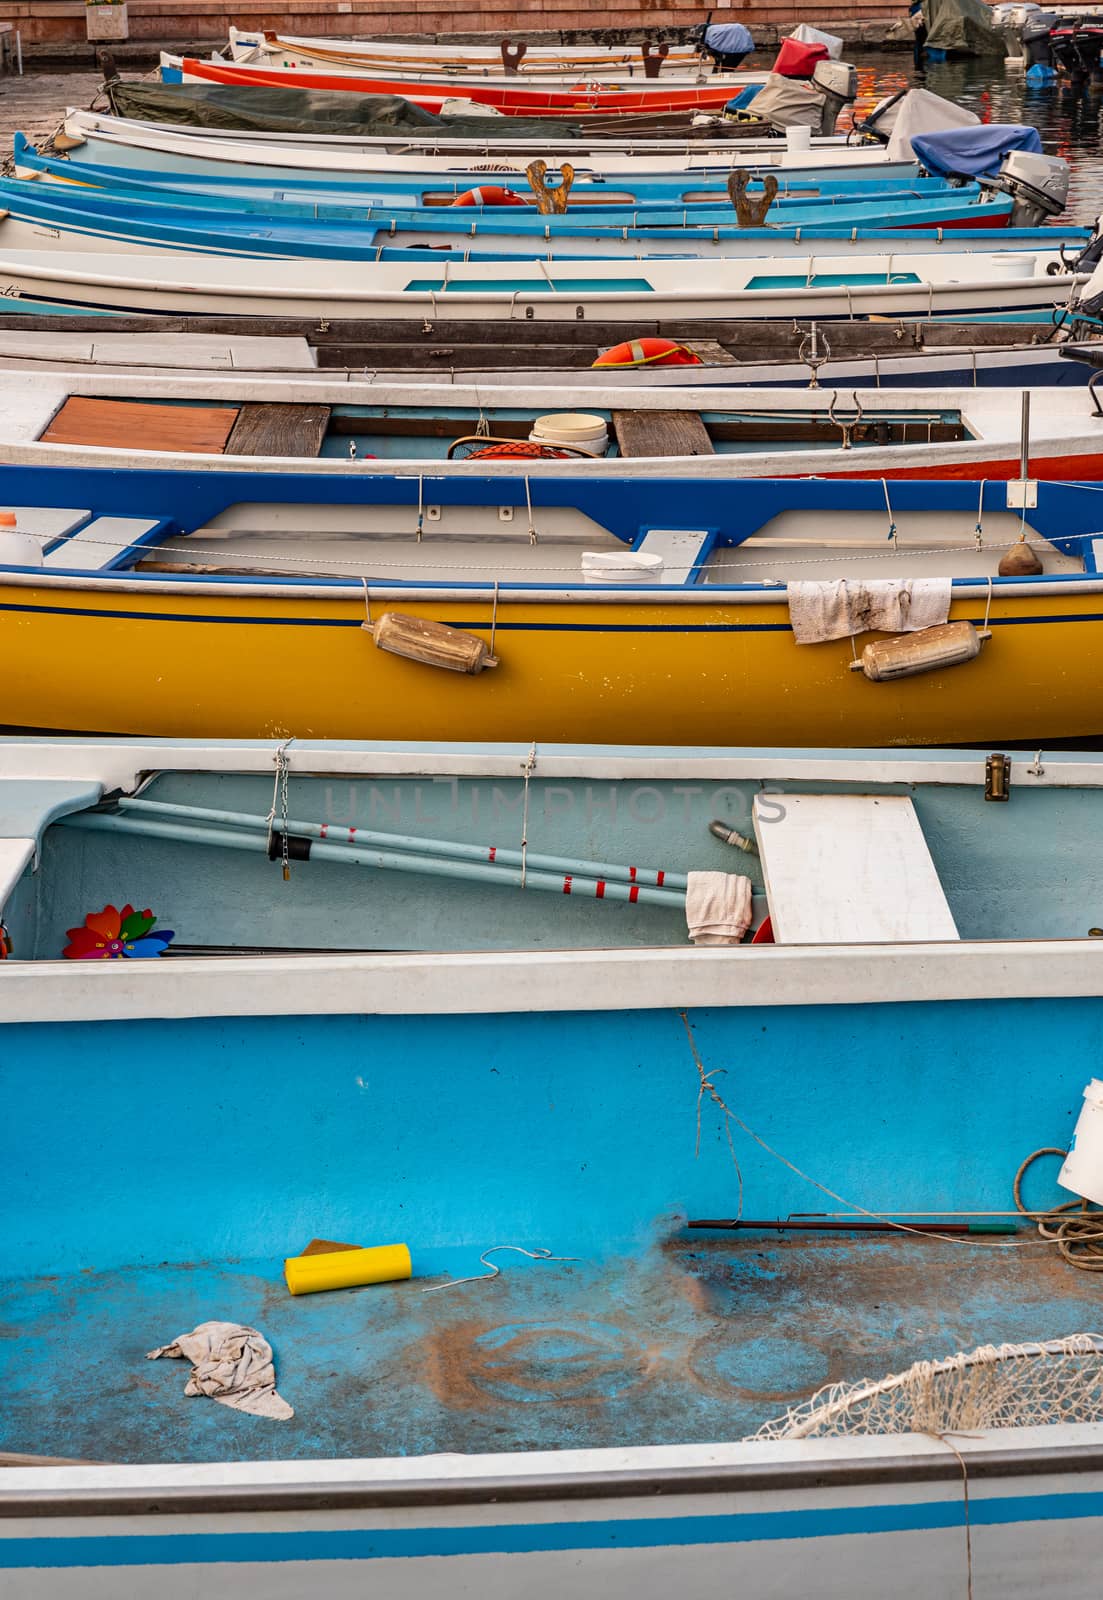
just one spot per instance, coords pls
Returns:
(848, 869)
(681, 549)
(103, 544)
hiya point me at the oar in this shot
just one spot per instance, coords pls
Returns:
(496, 855)
(389, 860)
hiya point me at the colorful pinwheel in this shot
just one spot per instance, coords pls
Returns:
(112, 935)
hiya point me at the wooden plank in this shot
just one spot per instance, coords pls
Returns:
(712, 352)
(661, 433)
(132, 424)
(274, 429)
(848, 869)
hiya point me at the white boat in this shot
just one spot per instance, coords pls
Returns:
(603, 58)
(898, 284)
(687, 67)
(101, 138)
(311, 421)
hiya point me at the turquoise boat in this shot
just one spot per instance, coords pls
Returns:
(666, 1202)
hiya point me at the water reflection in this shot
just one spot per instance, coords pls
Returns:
(1068, 119)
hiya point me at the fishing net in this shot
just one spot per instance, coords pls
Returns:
(995, 1386)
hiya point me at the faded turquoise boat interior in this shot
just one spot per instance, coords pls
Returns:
(158, 1171)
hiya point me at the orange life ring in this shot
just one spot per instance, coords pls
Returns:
(489, 195)
(649, 353)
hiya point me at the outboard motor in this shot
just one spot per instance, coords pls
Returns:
(837, 82)
(727, 44)
(1034, 33)
(879, 123)
(1038, 184)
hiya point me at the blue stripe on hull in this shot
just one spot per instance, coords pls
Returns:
(640, 1533)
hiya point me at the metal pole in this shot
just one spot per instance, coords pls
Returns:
(1024, 438)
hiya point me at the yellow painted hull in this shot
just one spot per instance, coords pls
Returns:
(204, 666)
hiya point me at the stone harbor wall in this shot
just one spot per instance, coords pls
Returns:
(57, 27)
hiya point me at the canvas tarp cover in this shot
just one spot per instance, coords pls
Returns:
(920, 111)
(260, 109)
(973, 152)
(962, 25)
(788, 103)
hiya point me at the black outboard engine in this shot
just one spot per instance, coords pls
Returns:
(1075, 44)
(727, 44)
(1035, 37)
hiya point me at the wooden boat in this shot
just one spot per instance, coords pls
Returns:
(313, 422)
(506, 95)
(903, 283)
(267, 581)
(600, 1047)
(731, 355)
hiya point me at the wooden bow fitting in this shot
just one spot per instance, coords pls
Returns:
(553, 202)
(751, 213)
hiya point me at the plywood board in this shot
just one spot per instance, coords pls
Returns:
(134, 425)
(848, 869)
(661, 433)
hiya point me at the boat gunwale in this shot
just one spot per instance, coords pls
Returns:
(904, 1460)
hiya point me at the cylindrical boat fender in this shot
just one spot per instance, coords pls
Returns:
(1083, 1168)
(948, 644)
(649, 353)
(347, 1269)
(489, 194)
(432, 643)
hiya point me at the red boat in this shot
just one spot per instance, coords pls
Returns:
(572, 100)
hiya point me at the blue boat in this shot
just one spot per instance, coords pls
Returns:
(380, 1020)
(81, 219)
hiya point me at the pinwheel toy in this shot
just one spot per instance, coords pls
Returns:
(113, 935)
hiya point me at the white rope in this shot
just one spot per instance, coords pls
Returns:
(529, 767)
(539, 1254)
(888, 508)
(420, 505)
(528, 503)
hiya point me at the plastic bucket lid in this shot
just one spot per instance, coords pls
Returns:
(571, 427)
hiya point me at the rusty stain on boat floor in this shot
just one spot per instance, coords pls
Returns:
(696, 1341)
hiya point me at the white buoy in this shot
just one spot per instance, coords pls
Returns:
(1083, 1168)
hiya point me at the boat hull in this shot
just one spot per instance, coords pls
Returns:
(726, 672)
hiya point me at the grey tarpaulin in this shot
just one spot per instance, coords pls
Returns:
(962, 25)
(263, 109)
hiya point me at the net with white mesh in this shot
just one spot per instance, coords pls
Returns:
(994, 1386)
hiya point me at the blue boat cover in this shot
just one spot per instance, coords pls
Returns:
(972, 152)
(730, 37)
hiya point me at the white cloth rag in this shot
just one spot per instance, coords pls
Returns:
(233, 1365)
(838, 608)
(718, 907)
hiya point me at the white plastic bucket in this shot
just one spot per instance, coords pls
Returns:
(1083, 1168)
(582, 429)
(799, 138)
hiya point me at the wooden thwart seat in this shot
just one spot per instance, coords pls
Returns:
(274, 429)
(135, 425)
(661, 433)
(848, 869)
(103, 544)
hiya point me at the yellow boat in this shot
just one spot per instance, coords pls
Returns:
(242, 605)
